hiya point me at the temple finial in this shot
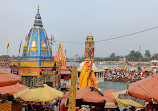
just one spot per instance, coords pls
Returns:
(38, 21)
(60, 47)
(38, 9)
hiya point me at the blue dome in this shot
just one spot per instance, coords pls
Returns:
(37, 44)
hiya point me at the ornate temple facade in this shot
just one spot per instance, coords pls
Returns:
(37, 63)
(89, 47)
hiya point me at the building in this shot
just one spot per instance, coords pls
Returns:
(154, 66)
(76, 58)
(89, 54)
(5, 62)
(89, 47)
(37, 63)
(65, 72)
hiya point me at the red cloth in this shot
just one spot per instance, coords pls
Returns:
(63, 107)
(67, 77)
(148, 107)
(92, 51)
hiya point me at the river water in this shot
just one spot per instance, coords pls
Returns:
(116, 86)
(110, 85)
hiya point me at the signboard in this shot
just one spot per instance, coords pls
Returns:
(29, 72)
(47, 63)
(14, 62)
(14, 70)
(48, 71)
(29, 63)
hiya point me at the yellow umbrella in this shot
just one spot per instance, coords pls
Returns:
(132, 69)
(105, 68)
(127, 102)
(39, 93)
(124, 67)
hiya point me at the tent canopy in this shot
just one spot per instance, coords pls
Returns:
(39, 93)
(133, 69)
(11, 89)
(126, 102)
(105, 68)
(146, 70)
(8, 78)
(108, 97)
(88, 95)
(146, 89)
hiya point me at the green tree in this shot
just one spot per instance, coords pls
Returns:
(139, 68)
(134, 56)
(112, 55)
(139, 56)
(131, 56)
(147, 54)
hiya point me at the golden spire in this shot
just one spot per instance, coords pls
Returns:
(60, 47)
(38, 10)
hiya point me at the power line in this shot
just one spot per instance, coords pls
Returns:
(70, 42)
(127, 35)
(123, 36)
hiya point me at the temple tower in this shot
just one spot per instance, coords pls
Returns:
(89, 47)
(37, 64)
(37, 45)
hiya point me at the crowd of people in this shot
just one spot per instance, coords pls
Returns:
(125, 75)
(41, 106)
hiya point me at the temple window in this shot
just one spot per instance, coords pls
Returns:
(32, 53)
(24, 53)
(33, 43)
(44, 53)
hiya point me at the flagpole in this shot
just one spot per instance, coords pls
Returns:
(9, 52)
(8, 49)
(20, 48)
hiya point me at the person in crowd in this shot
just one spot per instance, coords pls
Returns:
(52, 104)
(150, 106)
(118, 109)
(30, 107)
(125, 109)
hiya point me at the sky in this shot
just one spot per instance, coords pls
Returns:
(73, 20)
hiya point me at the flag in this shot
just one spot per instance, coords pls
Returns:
(20, 47)
(26, 38)
(8, 45)
(92, 51)
(45, 40)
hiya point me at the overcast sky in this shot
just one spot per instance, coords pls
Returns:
(73, 20)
